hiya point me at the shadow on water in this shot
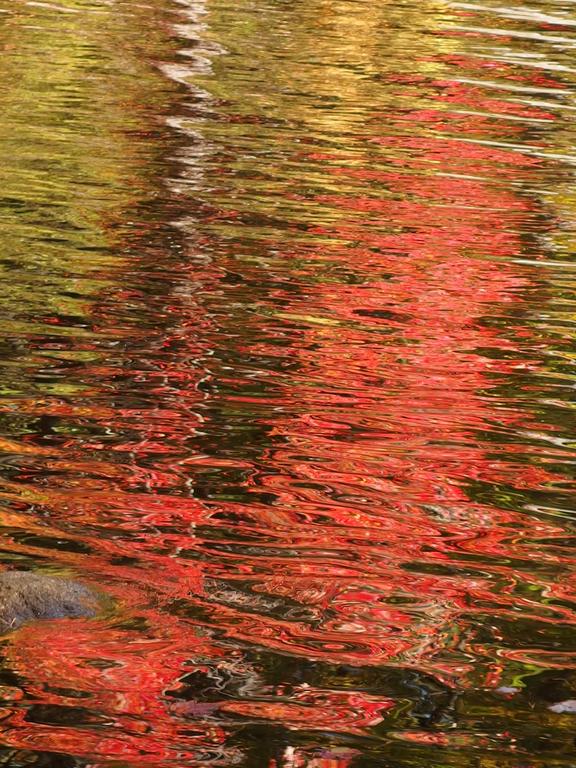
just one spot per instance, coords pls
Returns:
(287, 332)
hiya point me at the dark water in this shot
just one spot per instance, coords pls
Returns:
(287, 325)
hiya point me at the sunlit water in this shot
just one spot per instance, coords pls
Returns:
(287, 325)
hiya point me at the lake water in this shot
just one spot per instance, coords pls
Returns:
(287, 324)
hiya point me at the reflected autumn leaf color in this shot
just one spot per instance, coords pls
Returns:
(288, 335)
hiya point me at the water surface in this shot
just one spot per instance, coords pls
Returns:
(287, 318)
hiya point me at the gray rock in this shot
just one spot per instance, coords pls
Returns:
(26, 596)
(564, 707)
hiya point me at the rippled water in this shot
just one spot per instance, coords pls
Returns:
(287, 328)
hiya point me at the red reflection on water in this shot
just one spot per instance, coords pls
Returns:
(119, 680)
(391, 392)
(372, 451)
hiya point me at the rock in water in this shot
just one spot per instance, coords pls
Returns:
(564, 707)
(26, 596)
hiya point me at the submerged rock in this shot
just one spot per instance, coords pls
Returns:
(26, 596)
